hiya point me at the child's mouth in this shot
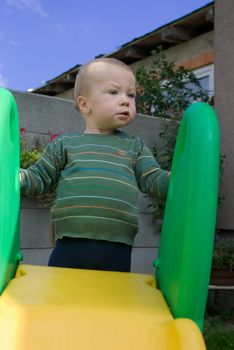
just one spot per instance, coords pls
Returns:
(124, 114)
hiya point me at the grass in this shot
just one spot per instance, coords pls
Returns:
(218, 334)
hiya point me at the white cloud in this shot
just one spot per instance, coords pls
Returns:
(32, 5)
(59, 27)
(3, 82)
(2, 35)
(6, 39)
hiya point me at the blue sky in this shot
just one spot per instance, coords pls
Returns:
(40, 39)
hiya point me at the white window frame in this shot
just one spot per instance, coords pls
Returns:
(204, 72)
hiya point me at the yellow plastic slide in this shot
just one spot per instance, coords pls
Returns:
(59, 309)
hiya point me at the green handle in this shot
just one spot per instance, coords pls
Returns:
(9, 188)
(186, 244)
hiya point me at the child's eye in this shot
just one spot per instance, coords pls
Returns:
(113, 92)
(132, 95)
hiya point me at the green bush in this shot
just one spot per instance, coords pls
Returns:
(30, 157)
(30, 154)
(218, 334)
(165, 91)
(223, 256)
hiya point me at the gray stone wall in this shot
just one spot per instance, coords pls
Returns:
(40, 115)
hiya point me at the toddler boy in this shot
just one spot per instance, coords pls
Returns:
(98, 173)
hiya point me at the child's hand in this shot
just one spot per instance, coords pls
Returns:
(169, 174)
(21, 176)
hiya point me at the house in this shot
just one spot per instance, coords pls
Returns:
(188, 41)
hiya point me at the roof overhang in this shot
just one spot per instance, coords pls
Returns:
(171, 34)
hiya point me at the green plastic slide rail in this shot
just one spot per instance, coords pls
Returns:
(9, 188)
(186, 245)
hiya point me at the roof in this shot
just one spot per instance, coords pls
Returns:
(180, 30)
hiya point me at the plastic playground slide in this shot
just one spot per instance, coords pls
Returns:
(56, 308)
(9, 188)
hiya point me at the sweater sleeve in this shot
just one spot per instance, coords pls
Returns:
(151, 179)
(39, 178)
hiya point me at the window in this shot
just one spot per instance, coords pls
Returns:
(206, 78)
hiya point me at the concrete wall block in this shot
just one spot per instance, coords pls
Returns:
(142, 260)
(36, 229)
(34, 138)
(147, 128)
(144, 203)
(148, 234)
(44, 113)
(33, 203)
(36, 256)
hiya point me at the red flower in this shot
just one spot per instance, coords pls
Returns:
(22, 131)
(52, 137)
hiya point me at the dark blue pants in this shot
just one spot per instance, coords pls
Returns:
(91, 254)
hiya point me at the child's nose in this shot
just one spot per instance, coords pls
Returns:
(125, 100)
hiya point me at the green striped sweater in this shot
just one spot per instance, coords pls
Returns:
(98, 178)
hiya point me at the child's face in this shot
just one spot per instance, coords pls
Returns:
(110, 99)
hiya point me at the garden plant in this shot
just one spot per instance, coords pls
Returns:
(166, 90)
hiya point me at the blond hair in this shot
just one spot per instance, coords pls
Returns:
(83, 77)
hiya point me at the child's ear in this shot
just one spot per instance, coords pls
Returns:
(82, 104)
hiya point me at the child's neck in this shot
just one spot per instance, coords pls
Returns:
(99, 131)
